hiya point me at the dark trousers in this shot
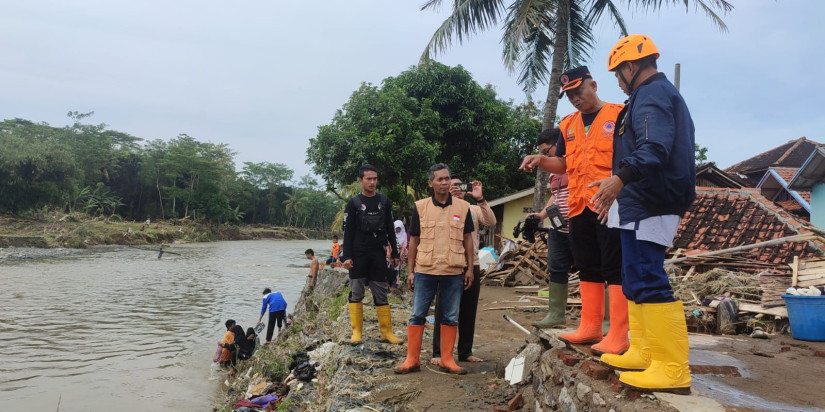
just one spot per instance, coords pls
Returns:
(644, 277)
(276, 316)
(466, 318)
(597, 250)
(559, 256)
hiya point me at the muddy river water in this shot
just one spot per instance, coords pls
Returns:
(116, 328)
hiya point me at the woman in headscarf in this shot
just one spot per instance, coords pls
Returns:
(401, 239)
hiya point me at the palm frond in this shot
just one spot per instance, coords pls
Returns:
(523, 18)
(533, 65)
(712, 8)
(599, 7)
(468, 17)
(581, 40)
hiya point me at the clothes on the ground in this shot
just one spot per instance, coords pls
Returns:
(441, 228)
(378, 287)
(466, 318)
(588, 153)
(375, 212)
(597, 251)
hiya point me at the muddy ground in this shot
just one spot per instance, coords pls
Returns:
(777, 374)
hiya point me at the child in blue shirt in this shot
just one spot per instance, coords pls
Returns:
(277, 312)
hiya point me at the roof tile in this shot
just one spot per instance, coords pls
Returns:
(722, 218)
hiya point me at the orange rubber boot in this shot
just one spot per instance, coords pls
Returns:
(616, 341)
(590, 328)
(447, 363)
(412, 363)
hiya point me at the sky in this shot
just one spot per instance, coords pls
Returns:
(261, 76)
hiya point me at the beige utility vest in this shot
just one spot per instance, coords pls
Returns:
(441, 243)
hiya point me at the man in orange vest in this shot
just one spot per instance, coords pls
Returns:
(585, 152)
(440, 257)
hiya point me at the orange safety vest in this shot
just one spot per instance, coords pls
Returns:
(589, 156)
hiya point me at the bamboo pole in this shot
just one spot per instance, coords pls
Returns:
(794, 238)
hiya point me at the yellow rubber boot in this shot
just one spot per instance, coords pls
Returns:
(666, 334)
(356, 319)
(637, 356)
(385, 325)
(412, 364)
(616, 340)
(447, 362)
(590, 328)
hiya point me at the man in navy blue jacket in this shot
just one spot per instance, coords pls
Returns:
(653, 183)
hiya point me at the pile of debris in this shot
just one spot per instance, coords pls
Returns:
(523, 265)
(723, 291)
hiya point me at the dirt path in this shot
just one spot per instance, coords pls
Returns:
(779, 373)
(496, 341)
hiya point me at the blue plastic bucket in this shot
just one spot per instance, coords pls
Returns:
(807, 317)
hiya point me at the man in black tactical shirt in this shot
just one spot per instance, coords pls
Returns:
(368, 227)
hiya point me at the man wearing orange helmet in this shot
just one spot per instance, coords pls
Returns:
(584, 151)
(653, 183)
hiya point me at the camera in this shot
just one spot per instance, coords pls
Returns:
(557, 220)
(462, 186)
(528, 227)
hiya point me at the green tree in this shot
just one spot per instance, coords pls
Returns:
(37, 169)
(535, 32)
(424, 115)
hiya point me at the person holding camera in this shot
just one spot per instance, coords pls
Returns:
(481, 214)
(559, 254)
(585, 152)
(368, 228)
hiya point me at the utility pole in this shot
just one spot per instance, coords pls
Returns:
(676, 75)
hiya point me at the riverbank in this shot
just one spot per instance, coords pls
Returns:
(78, 231)
(730, 373)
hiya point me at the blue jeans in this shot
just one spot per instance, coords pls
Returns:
(644, 279)
(426, 286)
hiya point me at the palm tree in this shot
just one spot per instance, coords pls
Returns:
(536, 31)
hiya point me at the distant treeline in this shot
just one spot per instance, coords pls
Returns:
(424, 115)
(93, 169)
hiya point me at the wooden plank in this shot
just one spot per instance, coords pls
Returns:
(811, 277)
(795, 268)
(811, 265)
(816, 282)
(750, 307)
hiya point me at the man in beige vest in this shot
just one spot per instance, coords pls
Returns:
(440, 257)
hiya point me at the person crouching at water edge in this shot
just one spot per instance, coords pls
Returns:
(368, 227)
(440, 257)
(277, 312)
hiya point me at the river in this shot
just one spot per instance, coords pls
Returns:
(116, 328)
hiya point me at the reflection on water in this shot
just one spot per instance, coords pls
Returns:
(116, 328)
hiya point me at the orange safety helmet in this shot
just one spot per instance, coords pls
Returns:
(630, 48)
